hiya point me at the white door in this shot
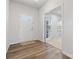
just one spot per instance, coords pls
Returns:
(26, 28)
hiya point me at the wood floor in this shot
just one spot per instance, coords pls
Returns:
(34, 50)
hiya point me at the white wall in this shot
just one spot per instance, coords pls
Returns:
(67, 40)
(50, 5)
(16, 10)
(68, 27)
(7, 25)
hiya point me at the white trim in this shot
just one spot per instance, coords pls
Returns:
(7, 48)
(68, 54)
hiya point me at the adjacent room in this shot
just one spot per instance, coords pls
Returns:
(39, 29)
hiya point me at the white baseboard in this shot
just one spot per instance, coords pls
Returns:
(69, 55)
(7, 48)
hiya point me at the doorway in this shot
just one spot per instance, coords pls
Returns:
(26, 28)
(53, 27)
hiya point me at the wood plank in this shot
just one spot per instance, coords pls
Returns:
(34, 50)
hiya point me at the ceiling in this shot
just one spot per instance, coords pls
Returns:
(56, 11)
(32, 3)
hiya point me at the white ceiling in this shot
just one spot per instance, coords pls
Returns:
(32, 3)
(56, 11)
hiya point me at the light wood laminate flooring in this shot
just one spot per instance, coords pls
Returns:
(34, 50)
